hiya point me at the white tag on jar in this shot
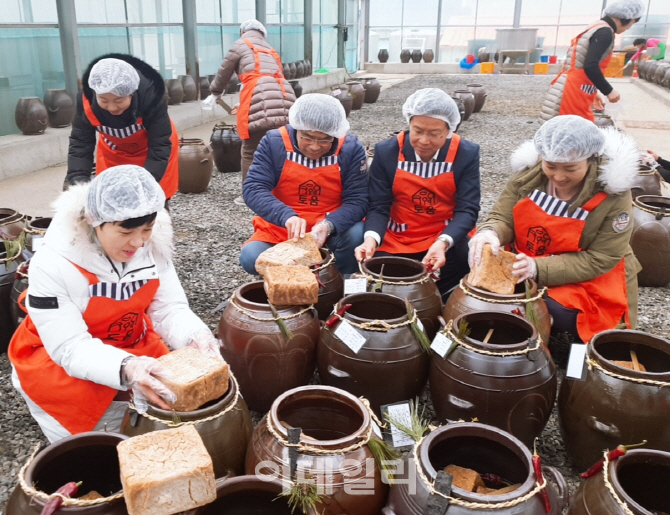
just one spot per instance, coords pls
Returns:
(349, 336)
(420, 324)
(355, 286)
(441, 345)
(577, 362)
(400, 413)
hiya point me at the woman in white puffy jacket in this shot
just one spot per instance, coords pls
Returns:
(104, 300)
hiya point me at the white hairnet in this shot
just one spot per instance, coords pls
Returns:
(253, 25)
(319, 112)
(569, 139)
(434, 103)
(625, 9)
(121, 193)
(113, 76)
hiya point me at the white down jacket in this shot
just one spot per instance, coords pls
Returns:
(63, 331)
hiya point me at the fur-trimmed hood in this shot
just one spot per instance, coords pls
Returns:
(72, 237)
(618, 164)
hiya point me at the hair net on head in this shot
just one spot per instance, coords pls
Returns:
(569, 139)
(113, 76)
(434, 103)
(319, 112)
(253, 25)
(123, 192)
(625, 9)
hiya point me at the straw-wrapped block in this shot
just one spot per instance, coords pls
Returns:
(305, 251)
(291, 285)
(494, 273)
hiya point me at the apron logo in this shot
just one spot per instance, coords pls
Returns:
(621, 222)
(309, 193)
(424, 201)
(123, 328)
(538, 240)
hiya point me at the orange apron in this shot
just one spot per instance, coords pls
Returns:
(423, 202)
(543, 227)
(130, 145)
(312, 188)
(78, 404)
(249, 81)
(579, 92)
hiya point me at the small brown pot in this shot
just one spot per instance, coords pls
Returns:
(372, 90)
(416, 56)
(650, 239)
(31, 116)
(646, 182)
(190, 88)
(333, 284)
(195, 166)
(428, 55)
(358, 92)
(479, 91)
(175, 91)
(405, 55)
(468, 100)
(226, 147)
(60, 107)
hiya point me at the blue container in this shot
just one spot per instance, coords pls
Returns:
(466, 65)
(544, 58)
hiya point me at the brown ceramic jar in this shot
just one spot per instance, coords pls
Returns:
(12, 224)
(604, 411)
(468, 100)
(60, 107)
(331, 420)
(372, 90)
(31, 116)
(482, 448)
(358, 92)
(35, 231)
(386, 353)
(190, 88)
(416, 56)
(7, 275)
(405, 55)
(20, 285)
(226, 437)
(659, 72)
(226, 146)
(195, 165)
(87, 457)
(479, 91)
(265, 364)
(639, 480)
(333, 284)
(467, 298)
(603, 120)
(408, 279)
(646, 182)
(345, 98)
(204, 87)
(650, 240)
(515, 392)
(428, 55)
(175, 91)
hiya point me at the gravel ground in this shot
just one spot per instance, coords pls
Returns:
(210, 228)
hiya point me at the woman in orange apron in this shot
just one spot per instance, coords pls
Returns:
(566, 210)
(103, 298)
(123, 101)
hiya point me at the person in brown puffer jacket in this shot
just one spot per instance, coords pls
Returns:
(266, 96)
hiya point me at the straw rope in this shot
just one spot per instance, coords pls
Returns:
(381, 326)
(521, 300)
(448, 332)
(373, 279)
(271, 319)
(231, 406)
(39, 232)
(326, 264)
(609, 486)
(594, 364)
(21, 218)
(430, 486)
(67, 501)
(642, 207)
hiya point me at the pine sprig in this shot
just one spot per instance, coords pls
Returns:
(13, 247)
(416, 330)
(384, 457)
(531, 314)
(419, 424)
(303, 495)
(463, 330)
(285, 331)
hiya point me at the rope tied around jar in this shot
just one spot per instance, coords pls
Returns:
(324, 265)
(430, 486)
(174, 423)
(19, 250)
(38, 232)
(268, 319)
(540, 293)
(449, 333)
(381, 326)
(67, 501)
(591, 363)
(381, 280)
(610, 488)
(661, 212)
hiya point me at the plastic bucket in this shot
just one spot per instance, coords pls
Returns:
(544, 58)
(553, 59)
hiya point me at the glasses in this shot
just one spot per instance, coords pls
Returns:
(320, 142)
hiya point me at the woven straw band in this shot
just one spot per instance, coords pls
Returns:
(231, 406)
(326, 264)
(6, 260)
(20, 219)
(538, 296)
(624, 507)
(594, 364)
(270, 319)
(449, 333)
(655, 212)
(67, 501)
(468, 504)
(381, 326)
(373, 279)
(39, 232)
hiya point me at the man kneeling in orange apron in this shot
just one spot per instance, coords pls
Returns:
(103, 297)
(567, 212)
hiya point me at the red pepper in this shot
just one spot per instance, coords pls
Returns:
(429, 267)
(318, 279)
(537, 467)
(492, 478)
(335, 317)
(54, 504)
(611, 455)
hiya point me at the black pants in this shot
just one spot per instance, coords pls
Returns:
(454, 269)
(565, 319)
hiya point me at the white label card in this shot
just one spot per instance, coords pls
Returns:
(576, 362)
(441, 344)
(37, 242)
(400, 413)
(355, 286)
(349, 336)
(420, 324)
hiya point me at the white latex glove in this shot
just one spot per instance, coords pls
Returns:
(320, 233)
(206, 343)
(524, 268)
(138, 373)
(209, 103)
(477, 243)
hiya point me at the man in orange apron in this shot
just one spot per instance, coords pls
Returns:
(123, 101)
(566, 211)
(424, 190)
(575, 89)
(308, 176)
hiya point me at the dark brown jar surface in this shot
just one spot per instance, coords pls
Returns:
(35, 231)
(333, 284)
(479, 91)
(515, 392)
(604, 411)
(646, 182)
(195, 165)
(650, 240)
(468, 100)
(226, 145)
(7, 275)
